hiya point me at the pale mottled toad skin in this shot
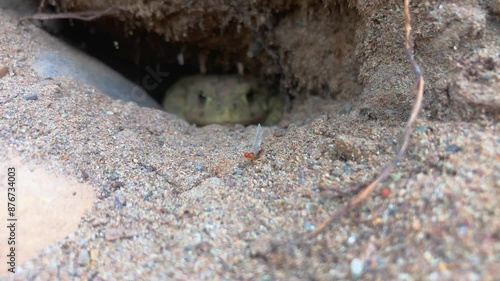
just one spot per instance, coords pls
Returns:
(223, 99)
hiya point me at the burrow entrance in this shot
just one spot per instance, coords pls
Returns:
(300, 49)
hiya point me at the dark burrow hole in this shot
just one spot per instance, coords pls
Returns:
(293, 52)
(151, 63)
(136, 55)
(146, 59)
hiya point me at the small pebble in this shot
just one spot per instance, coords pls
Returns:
(118, 203)
(385, 192)
(30, 97)
(83, 257)
(266, 277)
(421, 128)
(94, 254)
(453, 148)
(351, 240)
(356, 267)
(3, 70)
(237, 171)
(346, 168)
(434, 276)
(85, 175)
(279, 132)
(346, 109)
(199, 166)
(308, 226)
(113, 176)
(118, 233)
(100, 221)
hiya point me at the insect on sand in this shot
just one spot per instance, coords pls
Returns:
(256, 149)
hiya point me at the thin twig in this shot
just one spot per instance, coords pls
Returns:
(419, 88)
(84, 16)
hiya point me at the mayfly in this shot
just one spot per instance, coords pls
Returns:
(256, 149)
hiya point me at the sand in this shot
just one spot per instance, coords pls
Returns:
(152, 197)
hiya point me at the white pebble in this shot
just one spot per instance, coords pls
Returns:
(356, 267)
(351, 240)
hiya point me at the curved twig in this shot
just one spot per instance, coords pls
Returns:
(419, 88)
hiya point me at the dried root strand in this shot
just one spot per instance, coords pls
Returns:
(84, 16)
(419, 88)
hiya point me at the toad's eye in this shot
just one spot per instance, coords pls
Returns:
(202, 97)
(250, 96)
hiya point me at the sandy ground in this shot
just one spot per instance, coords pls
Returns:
(170, 201)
